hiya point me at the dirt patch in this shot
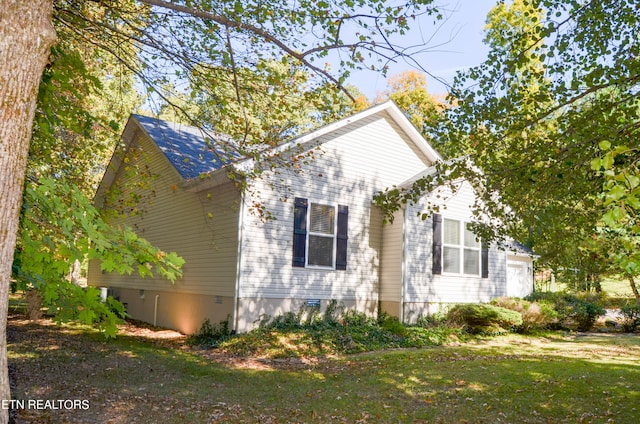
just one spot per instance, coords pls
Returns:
(257, 363)
(155, 335)
(176, 340)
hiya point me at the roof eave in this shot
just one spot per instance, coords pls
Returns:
(210, 179)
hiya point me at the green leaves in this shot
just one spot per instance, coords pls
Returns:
(604, 145)
(59, 226)
(547, 122)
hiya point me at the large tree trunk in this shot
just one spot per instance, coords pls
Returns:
(26, 36)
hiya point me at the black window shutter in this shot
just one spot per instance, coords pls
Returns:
(299, 231)
(437, 244)
(484, 257)
(341, 242)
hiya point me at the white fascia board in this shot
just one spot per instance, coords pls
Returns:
(412, 132)
(430, 171)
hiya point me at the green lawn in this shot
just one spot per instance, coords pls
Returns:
(617, 287)
(513, 379)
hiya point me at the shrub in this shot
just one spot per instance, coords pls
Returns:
(599, 298)
(535, 315)
(586, 314)
(286, 321)
(354, 318)
(333, 312)
(484, 318)
(307, 316)
(417, 336)
(631, 315)
(573, 311)
(434, 320)
(393, 326)
(336, 330)
(210, 335)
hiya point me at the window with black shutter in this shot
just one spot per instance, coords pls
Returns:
(320, 235)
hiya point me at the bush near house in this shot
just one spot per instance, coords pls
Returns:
(575, 312)
(210, 335)
(536, 316)
(309, 332)
(485, 318)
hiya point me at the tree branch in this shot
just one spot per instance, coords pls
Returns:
(229, 23)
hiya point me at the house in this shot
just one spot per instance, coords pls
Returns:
(323, 239)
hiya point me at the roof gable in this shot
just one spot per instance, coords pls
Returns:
(391, 109)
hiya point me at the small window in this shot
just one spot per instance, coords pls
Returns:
(460, 248)
(322, 235)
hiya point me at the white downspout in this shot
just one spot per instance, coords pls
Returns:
(155, 310)
(234, 324)
(403, 270)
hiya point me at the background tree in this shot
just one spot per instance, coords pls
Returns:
(408, 90)
(549, 121)
(272, 101)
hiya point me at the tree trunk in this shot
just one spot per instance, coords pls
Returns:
(634, 288)
(26, 36)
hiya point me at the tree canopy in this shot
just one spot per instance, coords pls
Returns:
(550, 122)
(408, 90)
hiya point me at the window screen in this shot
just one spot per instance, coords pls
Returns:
(321, 235)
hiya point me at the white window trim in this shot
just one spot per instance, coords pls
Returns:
(311, 233)
(461, 248)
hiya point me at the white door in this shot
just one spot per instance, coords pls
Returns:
(519, 282)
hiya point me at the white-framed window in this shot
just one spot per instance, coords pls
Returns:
(320, 235)
(461, 248)
(321, 241)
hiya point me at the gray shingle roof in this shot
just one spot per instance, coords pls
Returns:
(517, 247)
(188, 148)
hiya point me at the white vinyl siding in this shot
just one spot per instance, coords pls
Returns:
(391, 263)
(353, 164)
(201, 228)
(422, 285)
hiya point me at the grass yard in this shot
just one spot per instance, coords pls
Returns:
(617, 287)
(512, 379)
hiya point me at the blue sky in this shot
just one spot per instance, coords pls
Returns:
(457, 44)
